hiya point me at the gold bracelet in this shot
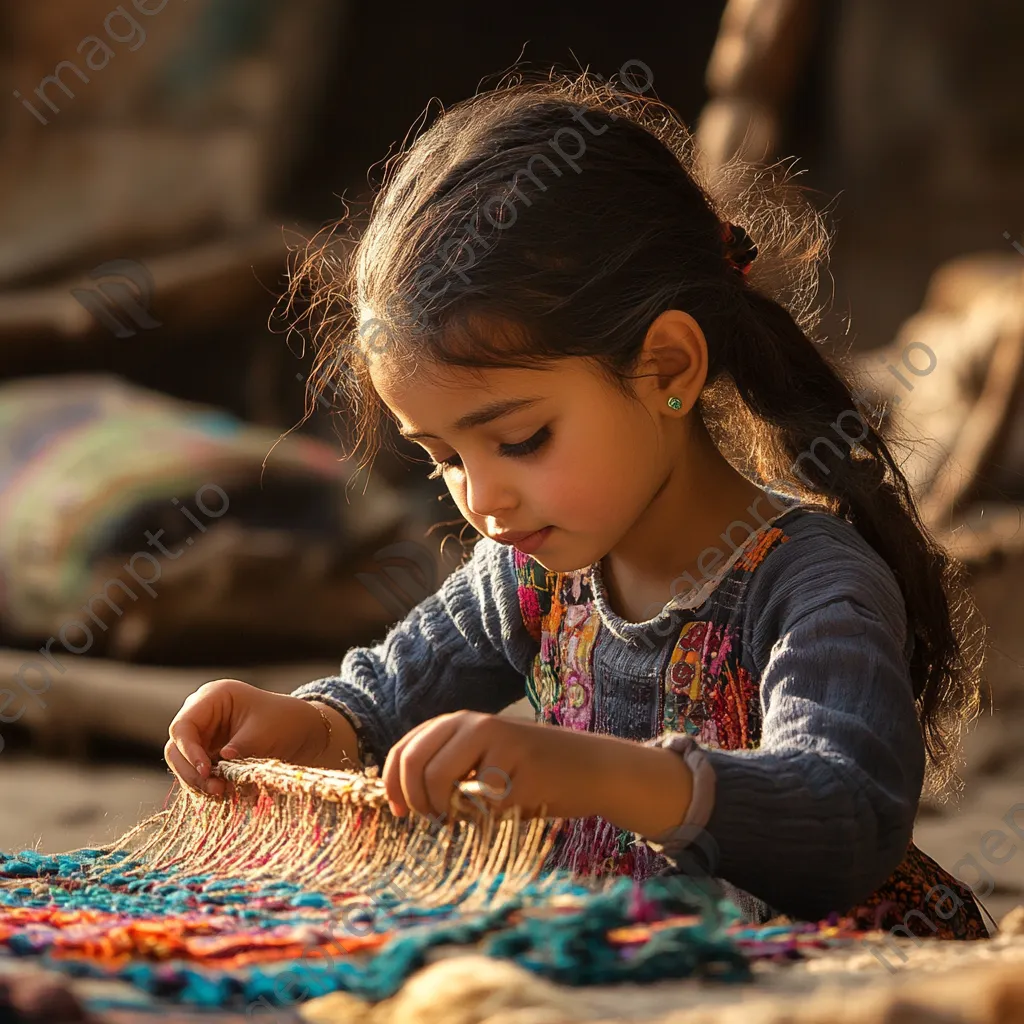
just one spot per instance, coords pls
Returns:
(326, 722)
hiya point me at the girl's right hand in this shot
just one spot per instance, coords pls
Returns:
(229, 719)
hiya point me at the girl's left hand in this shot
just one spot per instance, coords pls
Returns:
(542, 769)
(531, 765)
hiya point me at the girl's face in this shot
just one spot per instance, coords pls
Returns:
(558, 450)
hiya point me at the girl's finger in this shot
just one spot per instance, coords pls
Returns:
(245, 741)
(181, 767)
(185, 736)
(216, 787)
(188, 775)
(461, 755)
(448, 755)
(391, 773)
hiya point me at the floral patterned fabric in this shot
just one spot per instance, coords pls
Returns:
(705, 690)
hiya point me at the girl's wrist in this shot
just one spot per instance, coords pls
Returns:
(647, 790)
(324, 751)
(312, 750)
(318, 747)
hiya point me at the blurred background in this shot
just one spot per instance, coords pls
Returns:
(161, 159)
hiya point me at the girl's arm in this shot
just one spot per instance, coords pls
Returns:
(465, 647)
(823, 812)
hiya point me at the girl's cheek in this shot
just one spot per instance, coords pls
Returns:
(458, 493)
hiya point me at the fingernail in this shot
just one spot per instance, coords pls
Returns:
(200, 765)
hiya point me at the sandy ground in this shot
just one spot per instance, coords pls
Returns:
(55, 806)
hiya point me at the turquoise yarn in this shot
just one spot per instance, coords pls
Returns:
(567, 945)
(573, 950)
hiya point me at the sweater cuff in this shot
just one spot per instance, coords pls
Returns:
(673, 841)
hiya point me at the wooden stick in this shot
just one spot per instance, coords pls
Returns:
(980, 435)
(135, 702)
(191, 287)
(751, 74)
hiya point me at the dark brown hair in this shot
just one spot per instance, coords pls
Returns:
(559, 217)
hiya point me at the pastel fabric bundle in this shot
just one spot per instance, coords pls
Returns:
(89, 463)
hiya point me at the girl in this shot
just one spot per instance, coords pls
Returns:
(701, 557)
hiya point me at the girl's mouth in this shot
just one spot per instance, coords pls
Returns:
(532, 542)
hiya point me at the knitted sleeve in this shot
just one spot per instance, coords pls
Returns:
(822, 812)
(465, 647)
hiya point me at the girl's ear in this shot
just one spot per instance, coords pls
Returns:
(674, 360)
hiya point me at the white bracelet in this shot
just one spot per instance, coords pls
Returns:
(702, 801)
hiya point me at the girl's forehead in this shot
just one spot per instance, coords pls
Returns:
(433, 396)
(401, 376)
(426, 385)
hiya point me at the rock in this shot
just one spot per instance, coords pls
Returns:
(41, 998)
(475, 989)
(1013, 922)
(337, 1007)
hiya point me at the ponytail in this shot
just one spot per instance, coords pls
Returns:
(810, 433)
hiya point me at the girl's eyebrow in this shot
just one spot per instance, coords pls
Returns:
(485, 414)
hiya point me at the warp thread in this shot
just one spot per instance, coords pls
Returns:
(332, 832)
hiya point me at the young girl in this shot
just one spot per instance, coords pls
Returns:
(742, 647)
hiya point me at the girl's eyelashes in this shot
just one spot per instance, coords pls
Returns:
(527, 447)
(439, 467)
(512, 451)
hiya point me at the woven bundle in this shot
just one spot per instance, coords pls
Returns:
(333, 832)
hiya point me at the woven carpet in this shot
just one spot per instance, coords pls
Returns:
(301, 883)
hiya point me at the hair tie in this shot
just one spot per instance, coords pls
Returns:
(740, 249)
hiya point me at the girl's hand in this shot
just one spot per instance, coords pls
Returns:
(566, 773)
(229, 719)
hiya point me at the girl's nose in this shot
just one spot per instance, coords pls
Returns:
(488, 494)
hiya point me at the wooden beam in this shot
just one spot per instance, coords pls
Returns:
(112, 698)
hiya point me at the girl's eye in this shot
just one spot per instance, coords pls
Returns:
(527, 447)
(512, 451)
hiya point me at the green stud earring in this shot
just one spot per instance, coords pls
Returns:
(675, 403)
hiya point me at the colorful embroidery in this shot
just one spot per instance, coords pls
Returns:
(755, 554)
(925, 899)
(535, 588)
(707, 694)
(594, 846)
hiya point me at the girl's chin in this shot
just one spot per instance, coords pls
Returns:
(556, 557)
